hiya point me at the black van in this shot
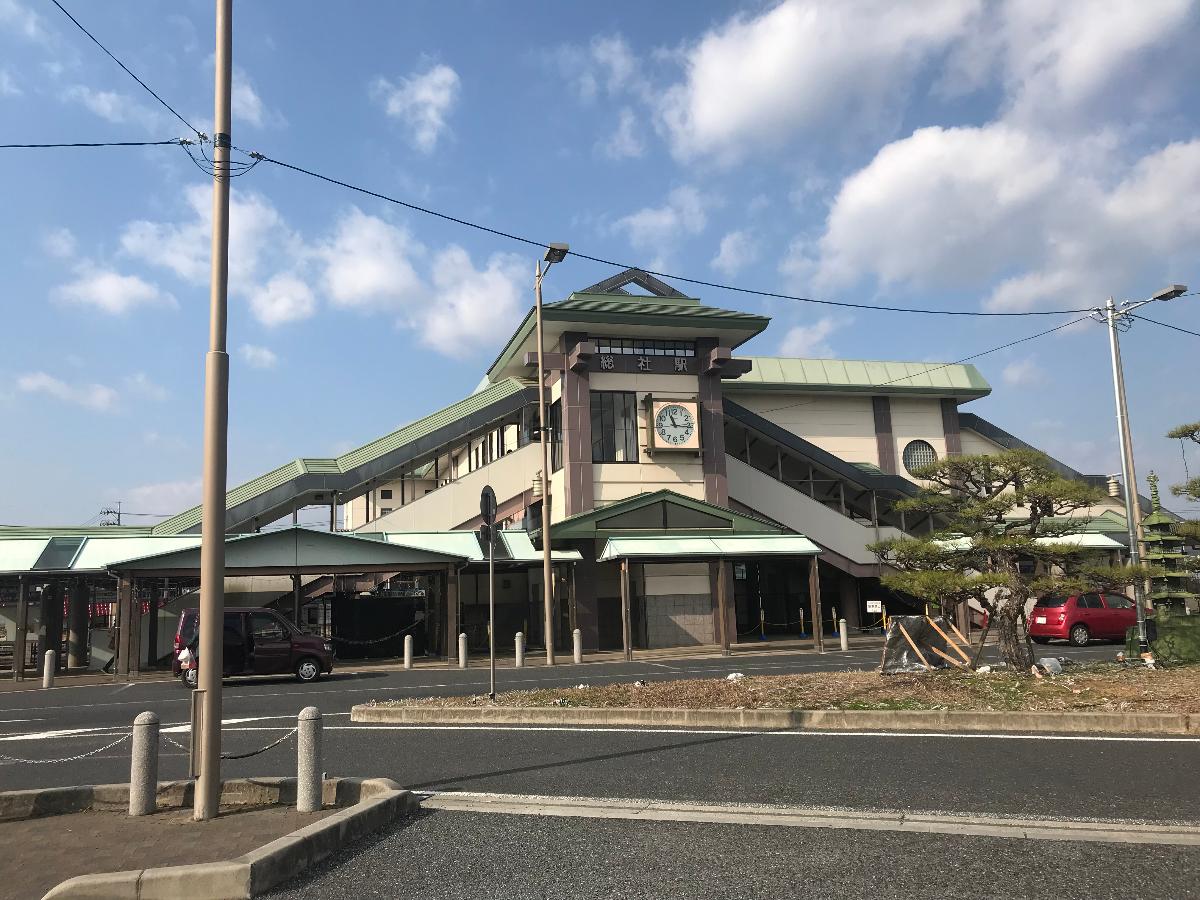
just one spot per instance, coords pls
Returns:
(256, 642)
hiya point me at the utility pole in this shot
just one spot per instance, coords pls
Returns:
(554, 253)
(206, 734)
(1133, 508)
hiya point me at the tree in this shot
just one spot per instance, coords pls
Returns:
(997, 517)
(1190, 488)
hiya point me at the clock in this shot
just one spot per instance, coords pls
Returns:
(675, 426)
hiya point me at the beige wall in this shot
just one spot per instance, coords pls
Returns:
(975, 444)
(676, 578)
(843, 425)
(917, 418)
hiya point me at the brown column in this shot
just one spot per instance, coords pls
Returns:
(135, 630)
(451, 614)
(626, 625)
(124, 623)
(576, 427)
(712, 429)
(50, 624)
(950, 426)
(296, 600)
(586, 616)
(19, 646)
(77, 625)
(885, 441)
(814, 598)
(722, 572)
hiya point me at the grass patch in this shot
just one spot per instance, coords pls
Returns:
(1097, 687)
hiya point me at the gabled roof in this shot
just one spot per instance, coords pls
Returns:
(613, 310)
(777, 373)
(676, 547)
(272, 495)
(660, 512)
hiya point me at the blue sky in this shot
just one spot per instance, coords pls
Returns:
(1003, 156)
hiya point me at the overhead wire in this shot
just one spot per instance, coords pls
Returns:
(200, 134)
(1164, 324)
(92, 144)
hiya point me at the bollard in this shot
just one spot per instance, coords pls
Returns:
(48, 669)
(143, 771)
(519, 661)
(408, 645)
(462, 650)
(308, 760)
(577, 639)
(842, 635)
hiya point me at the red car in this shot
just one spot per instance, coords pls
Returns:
(1079, 618)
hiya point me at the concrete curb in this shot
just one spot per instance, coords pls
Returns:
(373, 803)
(778, 719)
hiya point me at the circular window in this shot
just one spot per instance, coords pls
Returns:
(917, 454)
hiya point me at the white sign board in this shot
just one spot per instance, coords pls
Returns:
(874, 606)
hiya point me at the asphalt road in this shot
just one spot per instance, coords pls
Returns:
(455, 854)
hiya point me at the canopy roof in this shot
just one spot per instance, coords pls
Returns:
(659, 512)
(691, 546)
(776, 373)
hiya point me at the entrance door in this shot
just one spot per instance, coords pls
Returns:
(270, 645)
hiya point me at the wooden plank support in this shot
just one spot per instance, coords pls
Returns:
(916, 649)
(948, 658)
(948, 640)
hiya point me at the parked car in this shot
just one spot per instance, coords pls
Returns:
(1079, 618)
(256, 642)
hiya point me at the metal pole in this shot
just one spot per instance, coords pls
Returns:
(1133, 511)
(547, 575)
(216, 431)
(492, 612)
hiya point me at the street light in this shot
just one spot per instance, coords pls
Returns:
(555, 253)
(1133, 508)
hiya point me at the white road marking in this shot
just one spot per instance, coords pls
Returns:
(1087, 830)
(174, 728)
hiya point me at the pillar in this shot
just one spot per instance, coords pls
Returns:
(296, 600)
(50, 621)
(721, 577)
(848, 605)
(19, 646)
(77, 625)
(814, 597)
(583, 578)
(452, 588)
(626, 617)
(124, 623)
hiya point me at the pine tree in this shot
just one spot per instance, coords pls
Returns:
(1190, 488)
(997, 520)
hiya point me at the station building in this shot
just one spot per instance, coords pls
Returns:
(697, 496)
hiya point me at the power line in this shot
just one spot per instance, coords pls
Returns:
(1165, 325)
(957, 362)
(175, 141)
(664, 275)
(171, 109)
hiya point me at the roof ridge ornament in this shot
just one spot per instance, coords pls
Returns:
(615, 283)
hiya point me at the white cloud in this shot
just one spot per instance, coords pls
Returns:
(653, 227)
(162, 497)
(606, 65)
(423, 102)
(625, 142)
(19, 19)
(810, 341)
(59, 243)
(472, 305)
(8, 85)
(247, 106)
(140, 383)
(368, 264)
(753, 82)
(97, 397)
(285, 298)
(255, 229)
(738, 250)
(109, 291)
(1022, 371)
(111, 106)
(258, 357)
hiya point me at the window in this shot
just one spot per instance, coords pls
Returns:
(385, 494)
(614, 426)
(918, 454)
(265, 627)
(385, 510)
(1052, 602)
(1117, 601)
(555, 436)
(1089, 601)
(643, 347)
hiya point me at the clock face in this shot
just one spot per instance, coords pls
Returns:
(674, 424)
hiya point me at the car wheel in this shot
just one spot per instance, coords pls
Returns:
(1041, 640)
(1080, 635)
(308, 670)
(189, 678)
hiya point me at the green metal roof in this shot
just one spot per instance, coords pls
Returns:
(368, 452)
(777, 373)
(685, 546)
(681, 313)
(604, 520)
(20, 554)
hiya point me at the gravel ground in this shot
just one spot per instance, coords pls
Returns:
(1092, 687)
(455, 855)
